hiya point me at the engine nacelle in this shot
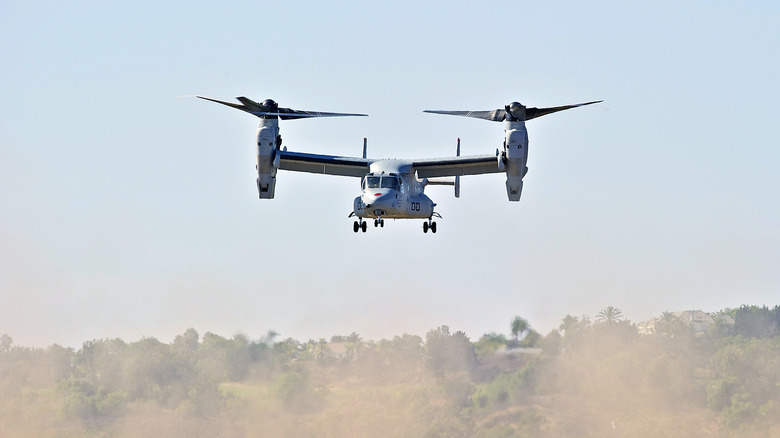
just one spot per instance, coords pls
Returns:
(515, 157)
(268, 142)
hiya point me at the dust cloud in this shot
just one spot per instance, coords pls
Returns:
(585, 379)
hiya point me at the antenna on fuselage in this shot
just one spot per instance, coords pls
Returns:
(365, 141)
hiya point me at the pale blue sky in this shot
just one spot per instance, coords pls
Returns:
(126, 211)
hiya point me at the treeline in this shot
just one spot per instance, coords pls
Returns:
(586, 378)
(756, 322)
(722, 382)
(94, 387)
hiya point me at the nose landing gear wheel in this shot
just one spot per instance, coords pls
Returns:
(425, 227)
(433, 227)
(429, 225)
(359, 226)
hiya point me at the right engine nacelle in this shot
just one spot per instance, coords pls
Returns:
(268, 142)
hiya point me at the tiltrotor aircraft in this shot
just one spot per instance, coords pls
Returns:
(393, 189)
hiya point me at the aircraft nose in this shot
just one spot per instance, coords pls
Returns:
(376, 198)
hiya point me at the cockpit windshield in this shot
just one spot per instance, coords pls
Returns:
(390, 182)
(384, 182)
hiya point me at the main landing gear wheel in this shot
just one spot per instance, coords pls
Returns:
(429, 225)
(359, 226)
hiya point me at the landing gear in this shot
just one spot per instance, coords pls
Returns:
(429, 225)
(359, 226)
(379, 222)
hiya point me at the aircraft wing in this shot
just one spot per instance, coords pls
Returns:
(456, 166)
(325, 164)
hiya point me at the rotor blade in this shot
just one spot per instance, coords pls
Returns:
(260, 110)
(495, 115)
(248, 106)
(532, 113)
(302, 115)
(291, 114)
(232, 105)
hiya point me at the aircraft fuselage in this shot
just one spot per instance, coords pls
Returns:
(391, 190)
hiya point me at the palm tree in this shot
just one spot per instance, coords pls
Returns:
(569, 324)
(518, 327)
(609, 315)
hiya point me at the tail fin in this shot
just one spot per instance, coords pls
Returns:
(447, 181)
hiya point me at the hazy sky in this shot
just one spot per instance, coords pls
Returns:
(127, 212)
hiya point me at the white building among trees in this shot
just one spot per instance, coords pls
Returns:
(701, 322)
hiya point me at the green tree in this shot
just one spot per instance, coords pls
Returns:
(609, 315)
(531, 339)
(187, 341)
(518, 327)
(295, 389)
(489, 343)
(287, 350)
(569, 324)
(6, 342)
(551, 344)
(757, 322)
(446, 353)
(321, 349)
(408, 347)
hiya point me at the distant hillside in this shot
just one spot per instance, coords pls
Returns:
(587, 379)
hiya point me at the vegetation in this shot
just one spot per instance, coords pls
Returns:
(609, 315)
(584, 379)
